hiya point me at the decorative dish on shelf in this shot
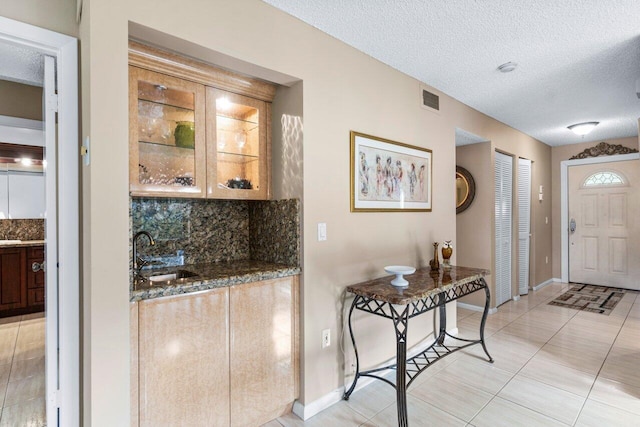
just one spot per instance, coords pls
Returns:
(399, 271)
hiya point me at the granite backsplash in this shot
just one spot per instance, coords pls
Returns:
(219, 230)
(274, 231)
(22, 229)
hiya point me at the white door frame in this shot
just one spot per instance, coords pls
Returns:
(67, 327)
(564, 201)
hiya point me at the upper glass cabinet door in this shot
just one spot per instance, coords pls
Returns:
(237, 146)
(167, 135)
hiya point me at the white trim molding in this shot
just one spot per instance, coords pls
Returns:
(475, 307)
(564, 202)
(545, 283)
(63, 407)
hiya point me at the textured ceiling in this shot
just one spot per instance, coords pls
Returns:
(21, 65)
(578, 60)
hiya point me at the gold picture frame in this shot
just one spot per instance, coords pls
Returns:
(389, 176)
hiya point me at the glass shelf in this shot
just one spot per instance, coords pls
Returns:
(253, 122)
(165, 104)
(166, 145)
(236, 158)
(165, 95)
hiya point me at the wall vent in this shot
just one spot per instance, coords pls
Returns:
(430, 100)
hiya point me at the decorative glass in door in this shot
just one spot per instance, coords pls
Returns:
(167, 135)
(237, 146)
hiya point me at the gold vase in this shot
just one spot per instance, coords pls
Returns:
(435, 262)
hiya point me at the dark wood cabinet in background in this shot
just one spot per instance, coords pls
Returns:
(22, 280)
(35, 276)
(13, 279)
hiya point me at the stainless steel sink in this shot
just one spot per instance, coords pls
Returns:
(176, 277)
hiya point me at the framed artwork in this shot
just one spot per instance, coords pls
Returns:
(389, 176)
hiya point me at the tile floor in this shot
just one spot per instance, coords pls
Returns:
(22, 383)
(554, 367)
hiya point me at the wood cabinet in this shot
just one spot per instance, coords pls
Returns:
(13, 279)
(236, 146)
(166, 126)
(263, 351)
(35, 276)
(183, 360)
(224, 357)
(22, 280)
(178, 150)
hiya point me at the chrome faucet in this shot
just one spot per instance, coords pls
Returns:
(138, 262)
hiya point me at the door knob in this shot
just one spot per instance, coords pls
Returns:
(37, 266)
(572, 226)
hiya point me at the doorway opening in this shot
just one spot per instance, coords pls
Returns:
(603, 231)
(565, 195)
(47, 276)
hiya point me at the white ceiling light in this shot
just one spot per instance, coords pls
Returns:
(583, 128)
(507, 67)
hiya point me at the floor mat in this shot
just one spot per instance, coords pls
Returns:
(594, 299)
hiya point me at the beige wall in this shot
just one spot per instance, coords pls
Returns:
(20, 100)
(287, 139)
(55, 15)
(559, 154)
(343, 90)
(476, 225)
(473, 232)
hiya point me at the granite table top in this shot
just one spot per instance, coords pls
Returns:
(209, 276)
(20, 244)
(422, 284)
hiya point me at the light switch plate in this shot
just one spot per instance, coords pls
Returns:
(322, 231)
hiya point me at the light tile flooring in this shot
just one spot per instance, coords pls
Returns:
(22, 384)
(553, 367)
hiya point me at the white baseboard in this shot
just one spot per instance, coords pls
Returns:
(545, 283)
(475, 307)
(309, 410)
(516, 298)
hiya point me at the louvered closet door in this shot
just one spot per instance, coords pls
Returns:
(524, 224)
(503, 215)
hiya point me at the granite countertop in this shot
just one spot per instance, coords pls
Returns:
(209, 276)
(422, 284)
(20, 244)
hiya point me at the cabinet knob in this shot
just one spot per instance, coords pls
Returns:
(37, 266)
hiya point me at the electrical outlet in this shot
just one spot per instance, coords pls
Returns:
(546, 260)
(326, 338)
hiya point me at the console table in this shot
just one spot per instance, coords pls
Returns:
(427, 290)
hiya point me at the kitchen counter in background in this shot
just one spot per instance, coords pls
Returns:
(210, 276)
(20, 244)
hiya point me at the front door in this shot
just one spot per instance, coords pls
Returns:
(604, 226)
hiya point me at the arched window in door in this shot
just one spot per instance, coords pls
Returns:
(604, 179)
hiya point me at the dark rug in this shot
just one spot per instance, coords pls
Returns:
(591, 298)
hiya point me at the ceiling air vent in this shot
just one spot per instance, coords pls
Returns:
(430, 101)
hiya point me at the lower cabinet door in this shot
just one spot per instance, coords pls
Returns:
(35, 296)
(13, 278)
(263, 350)
(184, 360)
